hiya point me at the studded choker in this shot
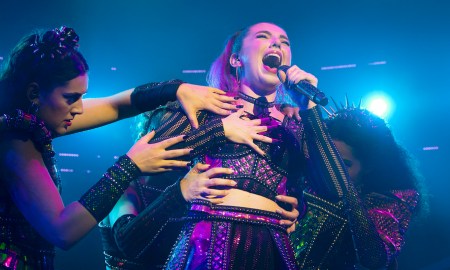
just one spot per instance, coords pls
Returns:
(257, 101)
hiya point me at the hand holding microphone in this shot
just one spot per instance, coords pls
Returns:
(302, 87)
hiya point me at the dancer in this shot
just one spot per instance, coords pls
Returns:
(41, 88)
(359, 209)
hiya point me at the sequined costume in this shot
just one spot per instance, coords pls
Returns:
(228, 236)
(342, 229)
(225, 237)
(21, 247)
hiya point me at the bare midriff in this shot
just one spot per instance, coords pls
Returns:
(241, 198)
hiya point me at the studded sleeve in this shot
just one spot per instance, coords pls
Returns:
(210, 132)
(148, 96)
(134, 234)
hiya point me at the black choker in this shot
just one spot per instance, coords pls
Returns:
(257, 101)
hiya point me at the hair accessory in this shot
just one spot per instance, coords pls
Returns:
(360, 116)
(55, 42)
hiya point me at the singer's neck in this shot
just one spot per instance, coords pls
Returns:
(255, 93)
(248, 106)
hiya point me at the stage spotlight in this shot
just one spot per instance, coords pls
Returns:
(380, 104)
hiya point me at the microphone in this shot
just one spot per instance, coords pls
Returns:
(302, 87)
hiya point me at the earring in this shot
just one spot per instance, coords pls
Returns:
(34, 107)
(238, 71)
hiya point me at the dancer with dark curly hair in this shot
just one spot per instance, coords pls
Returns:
(358, 217)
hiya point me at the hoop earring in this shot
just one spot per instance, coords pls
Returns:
(34, 107)
(238, 71)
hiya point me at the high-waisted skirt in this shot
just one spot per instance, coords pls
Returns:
(227, 237)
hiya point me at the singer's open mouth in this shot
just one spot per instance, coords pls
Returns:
(271, 62)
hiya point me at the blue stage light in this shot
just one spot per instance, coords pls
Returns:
(380, 104)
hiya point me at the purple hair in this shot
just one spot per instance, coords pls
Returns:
(223, 76)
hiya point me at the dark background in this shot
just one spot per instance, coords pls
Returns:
(128, 43)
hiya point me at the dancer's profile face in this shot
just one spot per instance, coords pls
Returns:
(59, 107)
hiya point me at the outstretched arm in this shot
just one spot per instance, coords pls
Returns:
(105, 110)
(33, 191)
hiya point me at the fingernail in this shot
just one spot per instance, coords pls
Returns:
(236, 98)
(234, 183)
(189, 164)
(278, 211)
(239, 106)
(278, 197)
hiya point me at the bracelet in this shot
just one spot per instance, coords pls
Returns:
(101, 198)
(149, 96)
